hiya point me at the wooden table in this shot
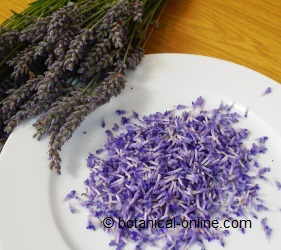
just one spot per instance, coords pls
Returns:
(247, 32)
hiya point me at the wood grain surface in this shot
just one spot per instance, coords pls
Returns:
(246, 32)
(7, 5)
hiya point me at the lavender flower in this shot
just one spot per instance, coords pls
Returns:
(99, 58)
(6, 86)
(8, 40)
(134, 58)
(51, 121)
(77, 49)
(32, 108)
(137, 10)
(65, 50)
(35, 32)
(111, 86)
(19, 96)
(58, 30)
(22, 64)
(109, 34)
(52, 83)
(58, 46)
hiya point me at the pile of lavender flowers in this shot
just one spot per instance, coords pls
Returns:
(65, 59)
(189, 164)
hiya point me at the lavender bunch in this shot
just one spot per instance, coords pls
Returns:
(69, 62)
(104, 52)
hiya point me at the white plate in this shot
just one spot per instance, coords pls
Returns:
(32, 212)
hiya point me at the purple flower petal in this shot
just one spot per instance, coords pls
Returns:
(267, 91)
(266, 228)
(71, 195)
(103, 124)
(199, 102)
(120, 112)
(99, 151)
(278, 185)
(180, 107)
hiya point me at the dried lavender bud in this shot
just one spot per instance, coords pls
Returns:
(58, 45)
(35, 33)
(22, 63)
(60, 22)
(99, 58)
(112, 36)
(3, 135)
(3, 139)
(54, 77)
(60, 31)
(134, 58)
(52, 81)
(18, 97)
(30, 109)
(20, 116)
(111, 32)
(8, 40)
(78, 48)
(115, 24)
(5, 86)
(118, 34)
(51, 121)
(62, 46)
(111, 86)
(50, 60)
(117, 13)
(137, 10)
